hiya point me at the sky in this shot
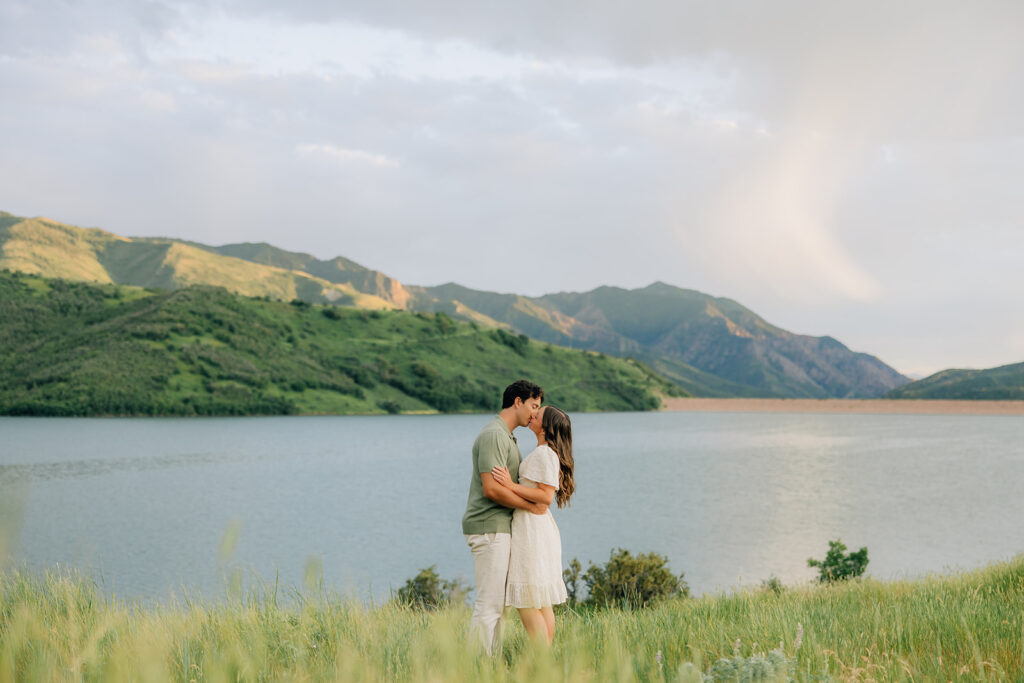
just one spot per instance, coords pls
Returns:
(852, 169)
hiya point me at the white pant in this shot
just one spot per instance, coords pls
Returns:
(490, 565)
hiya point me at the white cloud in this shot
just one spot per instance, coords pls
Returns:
(345, 155)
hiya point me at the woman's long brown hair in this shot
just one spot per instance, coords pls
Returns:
(558, 434)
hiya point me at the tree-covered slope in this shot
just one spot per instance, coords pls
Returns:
(995, 384)
(70, 348)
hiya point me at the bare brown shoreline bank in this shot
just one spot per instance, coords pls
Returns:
(843, 405)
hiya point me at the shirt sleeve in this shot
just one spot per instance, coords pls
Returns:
(541, 466)
(490, 453)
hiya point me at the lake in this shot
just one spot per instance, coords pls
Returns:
(143, 505)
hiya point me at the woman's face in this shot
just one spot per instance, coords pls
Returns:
(535, 422)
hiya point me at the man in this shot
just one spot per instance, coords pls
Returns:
(487, 523)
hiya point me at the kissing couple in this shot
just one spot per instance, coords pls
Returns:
(517, 551)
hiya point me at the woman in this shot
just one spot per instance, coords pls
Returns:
(535, 566)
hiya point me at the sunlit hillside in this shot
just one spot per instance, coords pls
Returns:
(55, 250)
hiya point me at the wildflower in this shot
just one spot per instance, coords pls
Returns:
(799, 636)
(657, 658)
(736, 648)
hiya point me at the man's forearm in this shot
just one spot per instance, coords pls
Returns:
(533, 494)
(508, 498)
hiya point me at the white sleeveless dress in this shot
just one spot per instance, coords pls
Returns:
(535, 564)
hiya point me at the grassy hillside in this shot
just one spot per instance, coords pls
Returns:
(995, 384)
(338, 270)
(955, 628)
(43, 247)
(708, 345)
(80, 349)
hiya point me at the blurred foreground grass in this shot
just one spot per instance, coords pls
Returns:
(967, 626)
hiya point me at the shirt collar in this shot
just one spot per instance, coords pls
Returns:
(508, 431)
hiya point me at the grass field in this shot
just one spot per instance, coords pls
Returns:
(968, 626)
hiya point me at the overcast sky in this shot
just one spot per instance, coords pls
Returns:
(845, 168)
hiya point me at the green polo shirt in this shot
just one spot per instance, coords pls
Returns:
(494, 447)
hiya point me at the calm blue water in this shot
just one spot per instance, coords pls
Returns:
(730, 498)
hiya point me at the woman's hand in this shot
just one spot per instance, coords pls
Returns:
(502, 476)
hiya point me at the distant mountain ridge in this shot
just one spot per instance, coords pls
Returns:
(1003, 383)
(707, 345)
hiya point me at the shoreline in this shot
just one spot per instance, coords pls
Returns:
(875, 406)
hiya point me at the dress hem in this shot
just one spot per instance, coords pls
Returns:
(523, 595)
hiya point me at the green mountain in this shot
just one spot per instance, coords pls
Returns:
(995, 384)
(72, 348)
(709, 346)
(719, 337)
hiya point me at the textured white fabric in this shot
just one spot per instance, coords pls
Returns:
(490, 566)
(540, 466)
(535, 564)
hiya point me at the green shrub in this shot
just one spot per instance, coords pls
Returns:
(626, 581)
(517, 342)
(838, 565)
(390, 407)
(572, 577)
(445, 325)
(429, 591)
(773, 585)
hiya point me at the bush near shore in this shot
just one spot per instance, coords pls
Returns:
(962, 627)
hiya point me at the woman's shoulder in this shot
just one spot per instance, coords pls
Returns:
(546, 451)
(542, 451)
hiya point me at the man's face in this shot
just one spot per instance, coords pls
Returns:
(526, 410)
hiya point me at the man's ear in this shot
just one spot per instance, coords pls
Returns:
(517, 402)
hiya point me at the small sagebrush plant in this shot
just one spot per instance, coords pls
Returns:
(760, 666)
(627, 580)
(839, 565)
(429, 591)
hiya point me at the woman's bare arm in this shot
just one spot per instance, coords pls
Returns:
(544, 493)
(502, 495)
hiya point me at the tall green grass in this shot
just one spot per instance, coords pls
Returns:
(963, 627)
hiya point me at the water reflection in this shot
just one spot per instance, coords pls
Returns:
(83, 469)
(729, 498)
